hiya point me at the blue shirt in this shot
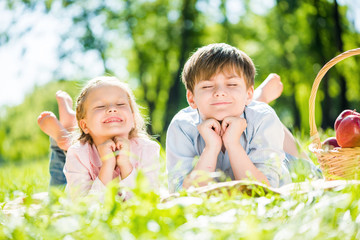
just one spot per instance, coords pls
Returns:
(262, 140)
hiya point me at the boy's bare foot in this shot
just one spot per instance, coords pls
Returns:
(66, 113)
(50, 125)
(270, 89)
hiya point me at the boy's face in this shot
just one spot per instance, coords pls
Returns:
(224, 94)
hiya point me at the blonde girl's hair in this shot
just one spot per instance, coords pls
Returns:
(139, 129)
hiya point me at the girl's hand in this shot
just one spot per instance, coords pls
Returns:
(123, 158)
(232, 128)
(106, 151)
(123, 148)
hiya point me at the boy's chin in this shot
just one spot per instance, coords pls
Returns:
(218, 118)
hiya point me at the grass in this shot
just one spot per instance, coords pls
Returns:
(333, 214)
(25, 178)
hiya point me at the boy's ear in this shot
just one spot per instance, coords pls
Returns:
(83, 126)
(250, 94)
(190, 99)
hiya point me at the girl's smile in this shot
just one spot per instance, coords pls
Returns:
(108, 113)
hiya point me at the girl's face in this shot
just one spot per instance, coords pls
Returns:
(107, 113)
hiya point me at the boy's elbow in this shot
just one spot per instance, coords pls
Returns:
(273, 181)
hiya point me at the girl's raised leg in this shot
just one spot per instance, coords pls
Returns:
(66, 113)
(50, 125)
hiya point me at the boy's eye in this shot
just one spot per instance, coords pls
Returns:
(232, 84)
(120, 104)
(206, 86)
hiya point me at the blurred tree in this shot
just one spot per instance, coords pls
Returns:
(146, 43)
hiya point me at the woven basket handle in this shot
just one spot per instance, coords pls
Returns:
(313, 130)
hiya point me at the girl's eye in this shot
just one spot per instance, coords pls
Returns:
(232, 84)
(99, 107)
(120, 104)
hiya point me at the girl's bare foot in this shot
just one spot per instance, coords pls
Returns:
(50, 125)
(66, 113)
(270, 89)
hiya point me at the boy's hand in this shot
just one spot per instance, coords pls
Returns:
(232, 128)
(210, 130)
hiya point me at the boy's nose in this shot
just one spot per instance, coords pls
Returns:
(219, 92)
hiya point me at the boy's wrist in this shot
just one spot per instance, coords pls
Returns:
(211, 149)
(233, 145)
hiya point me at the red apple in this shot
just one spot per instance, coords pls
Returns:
(330, 143)
(342, 115)
(348, 131)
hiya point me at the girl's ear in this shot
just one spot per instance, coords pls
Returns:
(250, 94)
(190, 99)
(83, 126)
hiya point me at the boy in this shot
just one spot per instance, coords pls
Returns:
(223, 127)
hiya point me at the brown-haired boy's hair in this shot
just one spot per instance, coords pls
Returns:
(214, 58)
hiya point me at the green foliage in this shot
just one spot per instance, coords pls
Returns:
(20, 136)
(146, 43)
(318, 214)
(26, 178)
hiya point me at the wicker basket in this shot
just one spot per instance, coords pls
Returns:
(339, 163)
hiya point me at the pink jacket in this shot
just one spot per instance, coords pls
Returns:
(83, 164)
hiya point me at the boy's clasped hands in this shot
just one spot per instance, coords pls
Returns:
(225, 134)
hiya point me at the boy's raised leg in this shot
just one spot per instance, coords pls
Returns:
(50, 125)
(270, 89)
(292, 146)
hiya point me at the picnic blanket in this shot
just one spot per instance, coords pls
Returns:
(256, 189)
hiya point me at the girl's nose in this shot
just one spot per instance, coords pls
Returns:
(111, 109)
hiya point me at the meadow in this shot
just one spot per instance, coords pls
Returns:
(255, 214)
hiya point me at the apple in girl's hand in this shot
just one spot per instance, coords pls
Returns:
(330, 143)
(343, 115)
(348, 131)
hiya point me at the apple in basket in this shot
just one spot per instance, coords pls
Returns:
(343, 115)
(330, 143)
(348, 130)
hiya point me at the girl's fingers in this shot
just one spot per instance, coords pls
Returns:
(113, 146)
(121, 143)
(118, 142)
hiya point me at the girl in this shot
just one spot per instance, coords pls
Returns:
(113, 142)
